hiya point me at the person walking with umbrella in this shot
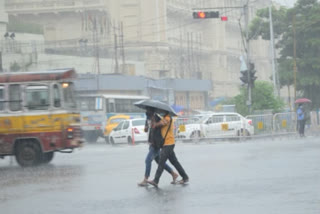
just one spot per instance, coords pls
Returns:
(301, 119)
(154, 151)
(167, 151)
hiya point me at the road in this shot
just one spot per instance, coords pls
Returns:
(264, 176)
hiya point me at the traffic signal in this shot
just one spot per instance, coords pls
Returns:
(245, 79)
(252, 72)
(205, 14)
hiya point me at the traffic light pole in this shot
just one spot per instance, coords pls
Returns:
(204, 13)
(246, 12)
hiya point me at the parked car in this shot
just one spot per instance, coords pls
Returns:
(113, 122)
(226, 124)
(129, 131)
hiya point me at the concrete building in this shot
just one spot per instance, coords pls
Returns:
(3, 19)
(191, 94)
(160, 33)
(3, 26)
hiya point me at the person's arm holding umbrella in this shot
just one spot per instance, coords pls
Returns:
(163, 122)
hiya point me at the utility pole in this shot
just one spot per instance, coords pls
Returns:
(192, 56)
(1, 69)
(246, 12)
(198, 56)
(122, 49)
(294, 56)
(273, 55)
(96, 50)
(116, 69)
(188, 55)
(180, 57)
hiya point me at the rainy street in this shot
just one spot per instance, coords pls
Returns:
(263, 176)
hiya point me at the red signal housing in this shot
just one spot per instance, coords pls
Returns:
(224, 18)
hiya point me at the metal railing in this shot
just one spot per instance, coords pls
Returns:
(253, 126)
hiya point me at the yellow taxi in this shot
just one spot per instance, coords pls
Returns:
(112, 123)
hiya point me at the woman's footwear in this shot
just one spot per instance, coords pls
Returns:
(143, 183)
(184, 181)
(174, 177)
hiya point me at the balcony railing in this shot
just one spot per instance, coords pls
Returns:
(34, 6)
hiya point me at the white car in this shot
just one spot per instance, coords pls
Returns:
(129, 131)
(226, 124)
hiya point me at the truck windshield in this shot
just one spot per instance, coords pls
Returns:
(68, 94)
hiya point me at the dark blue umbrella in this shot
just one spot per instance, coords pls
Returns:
(159, 106)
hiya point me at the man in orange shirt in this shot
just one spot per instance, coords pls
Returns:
(167, 151)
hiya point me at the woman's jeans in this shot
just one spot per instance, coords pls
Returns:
(154, 154)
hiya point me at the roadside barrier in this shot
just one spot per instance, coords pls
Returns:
(285, 123)
(254, 126)
(263, 124)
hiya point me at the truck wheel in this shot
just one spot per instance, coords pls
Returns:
(47, 157)
(28, 153)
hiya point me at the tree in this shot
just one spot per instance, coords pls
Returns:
(262, 96)
(307, 28)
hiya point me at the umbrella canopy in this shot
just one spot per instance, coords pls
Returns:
(159, 106)
(302, 100)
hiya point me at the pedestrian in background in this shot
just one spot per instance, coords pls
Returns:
(301, 117)
(154, 151)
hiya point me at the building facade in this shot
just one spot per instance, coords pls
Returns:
(160, 33)
(190, 94)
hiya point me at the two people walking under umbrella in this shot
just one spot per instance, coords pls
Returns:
(158, 152)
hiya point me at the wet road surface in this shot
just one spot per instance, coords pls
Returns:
(280, 176)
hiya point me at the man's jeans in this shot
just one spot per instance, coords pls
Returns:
(167, 152)
(154, 154)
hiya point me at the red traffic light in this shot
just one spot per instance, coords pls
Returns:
(205, 14)
(224, 18)
(201, 15)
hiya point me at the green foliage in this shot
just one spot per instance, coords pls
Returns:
(19, 26)
(262, 99)
(307, 28)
